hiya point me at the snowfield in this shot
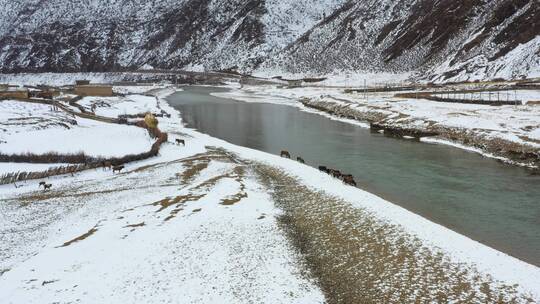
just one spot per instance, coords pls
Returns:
(129, 246)
(38, 129)
(117, 106)
(61, 79)
(212, 222)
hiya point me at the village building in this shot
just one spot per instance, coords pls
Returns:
(82, 82)
(94, 90)
(49, 93)
(10, 92)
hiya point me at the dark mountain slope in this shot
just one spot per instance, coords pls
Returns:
(439, 40)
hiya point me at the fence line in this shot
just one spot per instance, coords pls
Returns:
(89, 163)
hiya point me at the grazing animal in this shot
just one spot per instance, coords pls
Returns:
(47, 187)
(349, 180)
(335, 173)
(323, 169)
(106, 165)
(180, 141)
(285, 154)
(118, 168)
(41, 184)
(344, 176)
(300, 160)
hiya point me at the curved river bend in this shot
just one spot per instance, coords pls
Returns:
(496, 204)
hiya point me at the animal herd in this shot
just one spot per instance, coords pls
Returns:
(115, 167)
(107, 165)
(346, 178)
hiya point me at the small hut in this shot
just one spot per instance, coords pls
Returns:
(82, 82)
(21, 93)
(94, 90)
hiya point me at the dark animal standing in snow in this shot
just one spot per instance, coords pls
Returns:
(180, 141)
(349, 180)
(300, 160)
(41, 184)
(334, 173)
(323, 169)
(47, 187)
(344, 176)
(285, 154)
(118, 168)
(73, 169)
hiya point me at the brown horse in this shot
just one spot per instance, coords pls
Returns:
(349, 180)
(300, 160)
(106, 165)
(118, 168)
(285, 154)
(344, 176)
(334, 173)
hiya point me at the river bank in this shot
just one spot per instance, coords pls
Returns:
(507, 133)
(237, 225)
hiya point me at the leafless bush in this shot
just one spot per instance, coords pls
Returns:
(80, 160)
(47, 158)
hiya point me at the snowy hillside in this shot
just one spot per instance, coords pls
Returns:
(439, 40)
(450, 40)
(111, 35)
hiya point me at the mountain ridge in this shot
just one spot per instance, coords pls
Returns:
(438, 40)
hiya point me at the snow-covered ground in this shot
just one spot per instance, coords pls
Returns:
(343, 78)
(37, 128)
(116, 106)
(60, 79)
(198, 225)
(136, 89)
(155, 234)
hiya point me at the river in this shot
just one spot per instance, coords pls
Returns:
(493, 203)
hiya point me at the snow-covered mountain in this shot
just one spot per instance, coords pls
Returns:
(444, 39)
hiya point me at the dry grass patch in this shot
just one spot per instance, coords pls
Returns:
(135, 225)
(81, 237)
(358, 258)
(178, 200)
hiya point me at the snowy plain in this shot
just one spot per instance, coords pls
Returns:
(218, 253)
(116, 106)
(37, 128)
